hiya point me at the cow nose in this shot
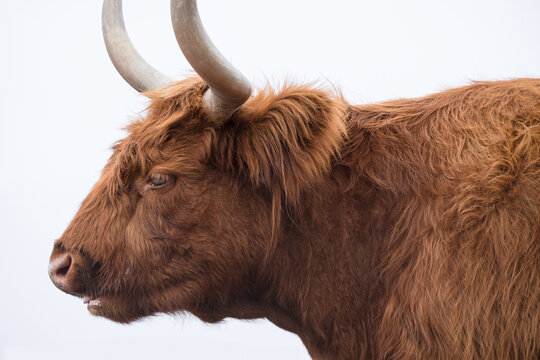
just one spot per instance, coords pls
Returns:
(58, 270)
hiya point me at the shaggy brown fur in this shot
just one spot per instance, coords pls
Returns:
(403, 230)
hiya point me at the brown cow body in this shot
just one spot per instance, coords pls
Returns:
(403, 230)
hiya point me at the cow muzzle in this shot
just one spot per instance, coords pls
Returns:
(69, 272)
(59, 268)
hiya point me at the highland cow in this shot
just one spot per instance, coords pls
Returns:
(408, 229)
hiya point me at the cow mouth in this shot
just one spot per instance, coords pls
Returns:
(92, 301)
(99, 304)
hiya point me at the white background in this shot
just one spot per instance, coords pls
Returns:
(62, 105)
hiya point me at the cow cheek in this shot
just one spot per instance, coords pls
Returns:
(141, 250)
(149, 252)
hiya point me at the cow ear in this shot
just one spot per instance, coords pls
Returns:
(286, 139)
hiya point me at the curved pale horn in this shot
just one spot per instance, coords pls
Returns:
(133, 68)
(229, 89)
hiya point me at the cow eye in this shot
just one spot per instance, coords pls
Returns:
(159, 180)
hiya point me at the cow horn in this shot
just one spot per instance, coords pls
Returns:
(228, 88)
(133, 68)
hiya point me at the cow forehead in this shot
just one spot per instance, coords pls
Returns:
(150, 144)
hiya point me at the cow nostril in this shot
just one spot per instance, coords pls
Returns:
(63, 270)
(58, 269)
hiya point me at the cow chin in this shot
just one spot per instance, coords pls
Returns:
(137, 304)
(122, 309)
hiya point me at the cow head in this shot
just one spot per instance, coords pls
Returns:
(186, 214)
